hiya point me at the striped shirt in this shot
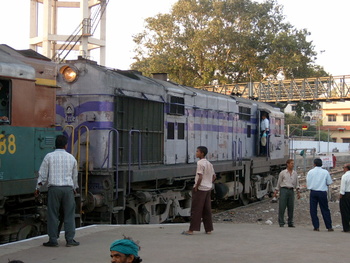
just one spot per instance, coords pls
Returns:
(59, 168)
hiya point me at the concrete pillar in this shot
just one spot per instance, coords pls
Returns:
(47, 28)
(33, 26)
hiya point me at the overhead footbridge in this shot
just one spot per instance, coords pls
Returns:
(309, 89)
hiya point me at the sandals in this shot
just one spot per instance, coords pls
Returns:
(186, 233)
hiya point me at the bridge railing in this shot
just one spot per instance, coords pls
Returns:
(308, 89)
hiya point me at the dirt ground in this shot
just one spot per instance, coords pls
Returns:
(266, 211)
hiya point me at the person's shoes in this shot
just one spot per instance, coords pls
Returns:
(291, 225)
(187, 233)
(72, 243)
(330, 229)
(50, 244)
(281, 225)
(208, 233)
(316, 229)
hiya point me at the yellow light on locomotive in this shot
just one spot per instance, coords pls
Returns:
(69, 74)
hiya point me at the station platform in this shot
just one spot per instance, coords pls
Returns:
(165, 244)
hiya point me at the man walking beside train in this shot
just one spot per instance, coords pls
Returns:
(59, 171)
(201, 194)
(317, 181)
(287, 182)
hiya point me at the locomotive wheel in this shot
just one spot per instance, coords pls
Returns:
(27, 232)
(243, 199)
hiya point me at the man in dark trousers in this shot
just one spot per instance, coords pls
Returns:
(201, 194)
(318, 180)
(287, 182)
(344, 198)
(59, 171)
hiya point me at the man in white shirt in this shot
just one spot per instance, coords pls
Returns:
(201, 194)
(264, 132)
(317, 181)
(59, 171)
(344, 198)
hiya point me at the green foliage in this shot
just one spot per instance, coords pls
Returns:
(204, 42)
(304, 107)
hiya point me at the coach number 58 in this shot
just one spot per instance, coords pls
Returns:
(7, 144)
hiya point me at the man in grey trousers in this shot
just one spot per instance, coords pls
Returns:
(59, 171)
(287, 182)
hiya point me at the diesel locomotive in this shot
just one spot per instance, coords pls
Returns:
(134, 138)
(27, 133)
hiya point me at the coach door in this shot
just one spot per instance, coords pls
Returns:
(175, 148)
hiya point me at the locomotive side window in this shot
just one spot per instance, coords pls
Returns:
(278, 127)
(249, 131)
(177, 105)
(244, 113)
(171, 131)
(4, 101)
(181, 131)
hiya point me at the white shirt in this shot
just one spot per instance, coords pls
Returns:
(59, 168)
(205, 168)
(345, 183)
(264, 124)
(318, 179)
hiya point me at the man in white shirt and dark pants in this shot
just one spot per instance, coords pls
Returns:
(318, 180)
(344, 198)
(59, 171)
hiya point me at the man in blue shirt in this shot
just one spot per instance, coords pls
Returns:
(317, 181)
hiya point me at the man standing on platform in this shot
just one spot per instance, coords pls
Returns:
(344, 198)
(59, 171)
(287, 182)
(318, 180)
(201, 194)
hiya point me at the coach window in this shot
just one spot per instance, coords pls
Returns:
(181, 131)
(4, 101)
(171, 131)
(278, 130)
(249, 131)
(244, 113)
(177, 105)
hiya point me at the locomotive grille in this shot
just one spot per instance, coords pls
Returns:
(49, 141)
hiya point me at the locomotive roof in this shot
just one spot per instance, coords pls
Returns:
(11, 66)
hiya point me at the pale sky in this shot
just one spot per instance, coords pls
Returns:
(326, 20)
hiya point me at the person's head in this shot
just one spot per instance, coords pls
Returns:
(61, 142)
(346, 167)
(124, 251)
(318, 162)
(264, 115)
(201, 151)
(290, 164)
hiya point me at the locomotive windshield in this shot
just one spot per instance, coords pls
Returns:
(4, 101)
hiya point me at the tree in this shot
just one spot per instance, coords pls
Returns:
(203, 42)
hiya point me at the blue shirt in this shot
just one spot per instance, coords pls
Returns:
(318, 179)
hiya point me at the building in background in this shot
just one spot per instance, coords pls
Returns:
(336, 120)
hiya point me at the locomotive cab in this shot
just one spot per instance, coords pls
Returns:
(4, 102)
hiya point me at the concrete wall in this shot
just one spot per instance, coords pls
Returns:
(321, 147)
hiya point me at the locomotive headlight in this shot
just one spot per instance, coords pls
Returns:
(69, 74)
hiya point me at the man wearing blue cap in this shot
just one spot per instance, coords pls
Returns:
(124, 251)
